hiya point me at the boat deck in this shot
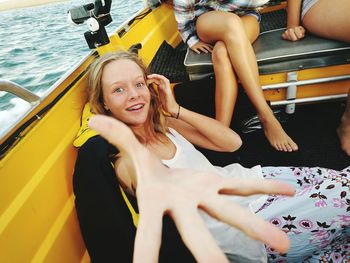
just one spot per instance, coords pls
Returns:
(312, 126)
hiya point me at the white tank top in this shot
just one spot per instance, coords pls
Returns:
(231, 240)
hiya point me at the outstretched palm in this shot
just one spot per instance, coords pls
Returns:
(180, 193)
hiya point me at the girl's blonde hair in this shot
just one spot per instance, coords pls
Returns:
(156, 118)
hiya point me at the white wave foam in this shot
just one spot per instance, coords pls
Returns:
(10, 117)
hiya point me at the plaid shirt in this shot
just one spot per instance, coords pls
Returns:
(187, 11)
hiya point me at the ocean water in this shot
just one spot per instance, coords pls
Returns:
(38, 46)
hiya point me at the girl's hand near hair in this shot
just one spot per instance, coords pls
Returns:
(194, 126)
(202, 47)
(180, 193)
(294, 33)
(165, 93)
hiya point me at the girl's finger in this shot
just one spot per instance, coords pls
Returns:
(208, 47)
(148, 236)
(285, 36)
(292, 35)
(203, 50)
(196, 50)
(196, 235)
(159, 79)
(151, 81)
(245, 187)
(241, 218)
(298, 32)
(157, 76)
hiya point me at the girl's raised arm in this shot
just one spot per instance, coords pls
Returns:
(200, 130)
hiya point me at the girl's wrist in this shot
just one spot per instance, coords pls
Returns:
(293, 25)
(176, 113)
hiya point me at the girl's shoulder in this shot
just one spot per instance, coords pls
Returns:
(176, 135)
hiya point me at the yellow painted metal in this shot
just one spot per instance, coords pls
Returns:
(150, 32)
(315, 90)
(36, 185)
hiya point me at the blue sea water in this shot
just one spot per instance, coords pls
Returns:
(38, 46)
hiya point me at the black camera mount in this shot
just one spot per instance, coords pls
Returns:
(98, 16)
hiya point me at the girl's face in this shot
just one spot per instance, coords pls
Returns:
(125, 92)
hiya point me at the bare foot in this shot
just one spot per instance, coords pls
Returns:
(277, 137)
(344, 135)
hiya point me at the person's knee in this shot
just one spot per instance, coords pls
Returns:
(233, 29)
(220, 54)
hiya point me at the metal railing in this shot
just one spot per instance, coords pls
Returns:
(293, 83)
(19, 91)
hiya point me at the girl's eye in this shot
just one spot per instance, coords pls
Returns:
(119, 90)
(140, 85)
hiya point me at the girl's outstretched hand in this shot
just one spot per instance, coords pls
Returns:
(180, 193)
(165, 93)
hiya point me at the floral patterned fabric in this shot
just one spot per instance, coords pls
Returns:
(316, 219)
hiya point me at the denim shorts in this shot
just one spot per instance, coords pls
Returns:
(307, 4)
(240, 12)
(254, 13)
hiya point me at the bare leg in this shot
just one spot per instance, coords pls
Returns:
(227, 27)
(251, 27)
(329, 19)
(344, 128)
(226, 86)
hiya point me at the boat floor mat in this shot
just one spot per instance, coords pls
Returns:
(169, 62)
(312, 127)
(273, 20)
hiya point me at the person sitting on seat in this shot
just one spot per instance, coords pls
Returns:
(329, 19)
(228, 29)
(316, 219)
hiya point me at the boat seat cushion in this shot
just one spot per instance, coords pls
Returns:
(277, 55)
